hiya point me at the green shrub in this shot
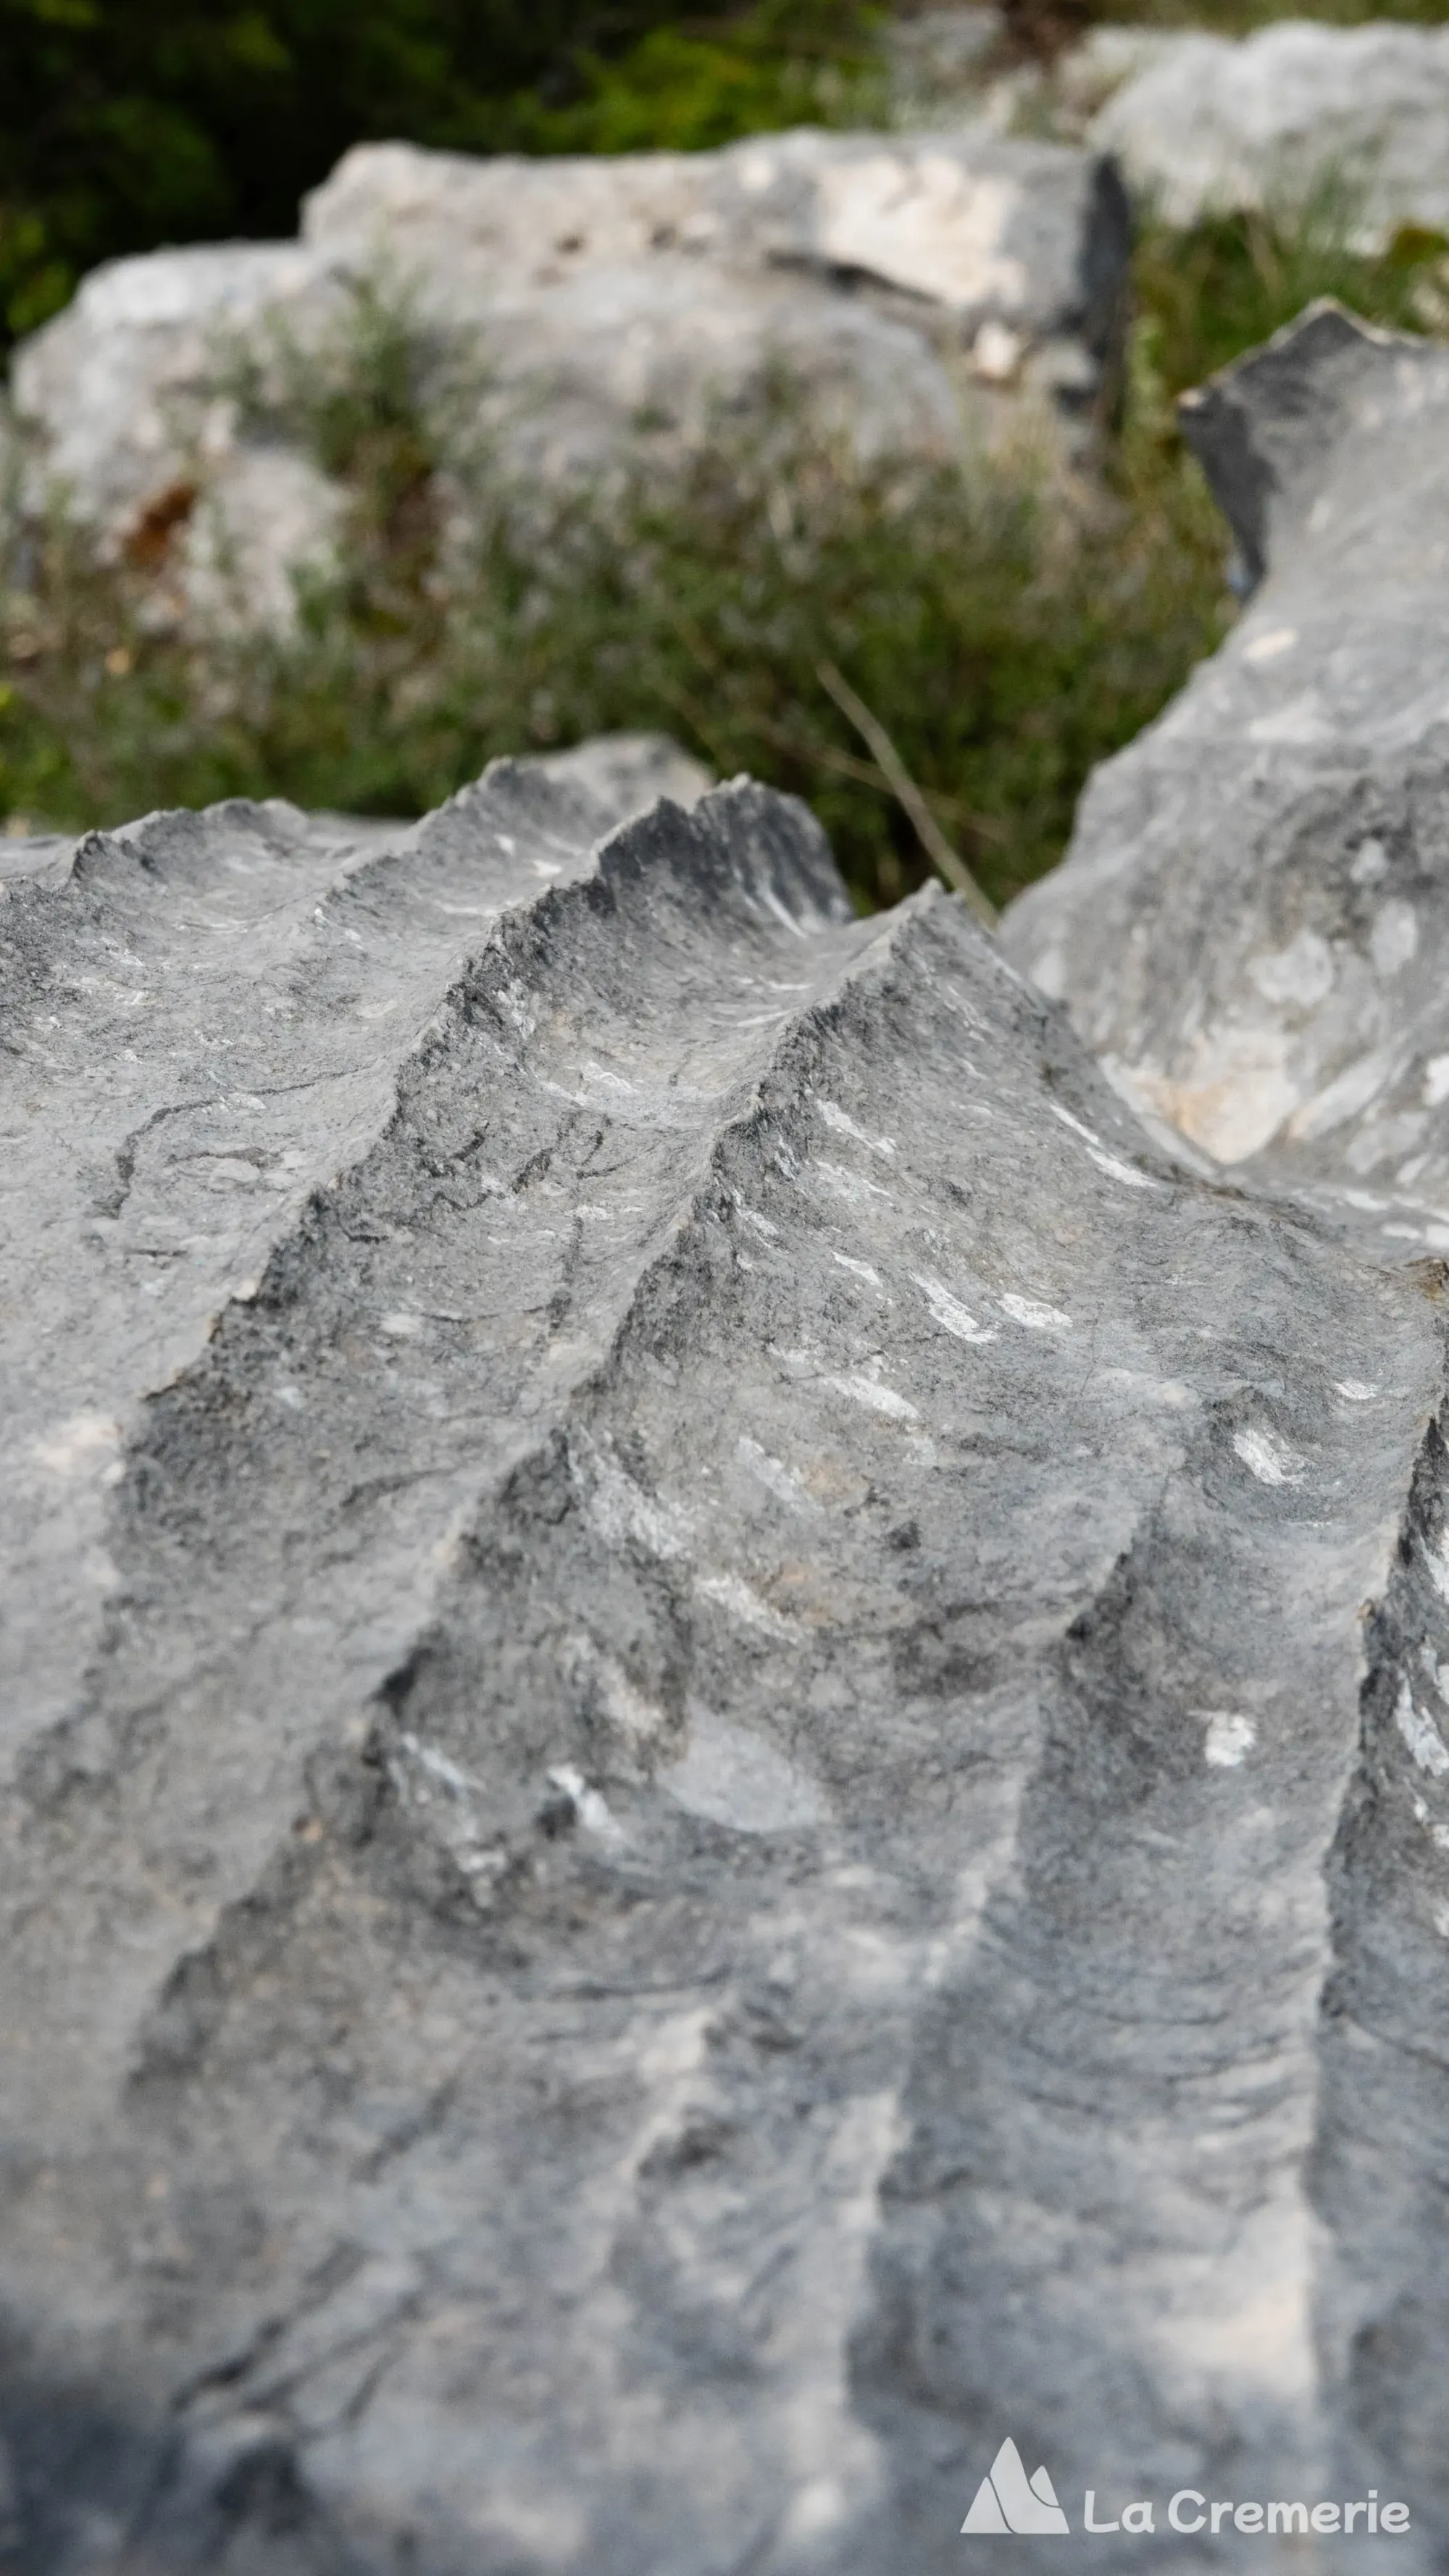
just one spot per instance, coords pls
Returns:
(126, 123)
(1233, 280)
(689, 88)
(1007, 631)
(1236, 17)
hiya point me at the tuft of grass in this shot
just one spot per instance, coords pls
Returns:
(1002, 630)
(1234, 279)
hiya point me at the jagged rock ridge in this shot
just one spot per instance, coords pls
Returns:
(1249, 927)
(666, 1855)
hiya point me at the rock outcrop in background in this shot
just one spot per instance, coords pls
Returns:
(700, 1809)
(1248, 929)
(925, 293)
(921, 295)
(1204, 123)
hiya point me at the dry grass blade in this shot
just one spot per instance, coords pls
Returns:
(933, 840)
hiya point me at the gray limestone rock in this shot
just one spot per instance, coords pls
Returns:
(121, 419)
(1203, 122)
(1249, 928)
(684, 1638)
(928, 293)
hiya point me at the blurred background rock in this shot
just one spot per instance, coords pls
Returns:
(255, 544)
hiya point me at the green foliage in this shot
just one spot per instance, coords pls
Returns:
(1236, 17)
(687, 89)
(1006, 631)
(1235, 279)
(1005, 634)
(125, 123)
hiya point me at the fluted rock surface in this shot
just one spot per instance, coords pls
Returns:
(684, 1643)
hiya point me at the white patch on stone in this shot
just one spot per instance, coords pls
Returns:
(1233, 1095)
(924, 223)
(996, 353)
(1229, 1739)
(773, 1474)
(619, 1509)
(592, 1810)
(950, 1314)
(1267, 1457)
(1438, 1834)
(730, 1592)
(1104, 1161)
(441, 1765)
(853, 1187)
(1117, 1170)
(1036, 1317)
(860, 1269)
(625, 1707)
(401, 1328)
(1267, 648)
(1394, 938)
(761, 1224)
(1370, 863)
(1354, 1390)
(1301, 721)
(1420, 1734)
(1348, 1093)
(1076, 1125)
(875, 1397)
(86, 1445)
(734, 1778)
(1436, 1081)
(1301, 973)
(844, 1125)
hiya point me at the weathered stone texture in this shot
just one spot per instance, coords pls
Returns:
(725, 1737)
(1250, 926)
(686, 1647)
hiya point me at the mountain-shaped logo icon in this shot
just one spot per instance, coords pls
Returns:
(1008, 2500)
